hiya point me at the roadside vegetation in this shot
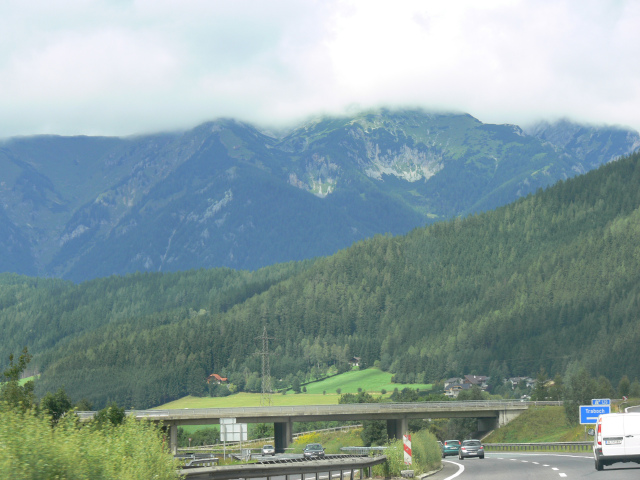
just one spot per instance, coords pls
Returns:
(45, 439)
(425, 450)
(331, 441)
(546, 424)
(538, 424)
(426, 456)
(32, 448)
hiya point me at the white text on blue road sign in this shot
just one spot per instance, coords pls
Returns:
(589, 413)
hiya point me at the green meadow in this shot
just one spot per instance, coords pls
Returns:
(371, 380)
(323, 392)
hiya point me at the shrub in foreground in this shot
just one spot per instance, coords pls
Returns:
(30, 448)
(425, 456)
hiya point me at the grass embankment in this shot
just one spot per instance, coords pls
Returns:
(331, 441)
(539, 424)
(546, 424)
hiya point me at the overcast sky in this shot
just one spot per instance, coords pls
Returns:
(119, 67)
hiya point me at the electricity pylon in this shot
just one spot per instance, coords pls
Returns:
(265, 398)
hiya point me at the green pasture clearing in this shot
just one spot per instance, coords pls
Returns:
(24, 380)
(371, 380)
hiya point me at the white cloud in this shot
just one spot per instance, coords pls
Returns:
(118, 67)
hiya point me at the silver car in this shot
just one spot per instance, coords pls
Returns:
(471, 448)
(268, 450)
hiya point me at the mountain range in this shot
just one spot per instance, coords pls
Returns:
(227, 194)
(550, 281)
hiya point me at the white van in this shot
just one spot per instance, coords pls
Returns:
(617, 439)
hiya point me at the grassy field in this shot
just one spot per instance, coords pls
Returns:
(539, 424)
(22, 381)
(371, 380)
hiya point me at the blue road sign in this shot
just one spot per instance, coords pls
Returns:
(589, 413)
(601, 401)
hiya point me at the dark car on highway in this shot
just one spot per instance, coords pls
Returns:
(313, 450)
(471, 448)
(450, 447)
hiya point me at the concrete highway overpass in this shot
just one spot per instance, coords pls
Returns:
(490, 415)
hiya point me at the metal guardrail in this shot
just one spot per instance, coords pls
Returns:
(202, 462)
(541, 447)
(363, 450)
(283, 469)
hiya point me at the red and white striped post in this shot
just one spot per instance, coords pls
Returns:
(407, 449)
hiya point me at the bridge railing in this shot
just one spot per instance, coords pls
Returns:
(374, 407)
(377, 408)
(541, 447)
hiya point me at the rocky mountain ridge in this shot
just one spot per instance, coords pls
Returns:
(227, 194)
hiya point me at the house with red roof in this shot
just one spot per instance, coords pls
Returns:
(214, 377)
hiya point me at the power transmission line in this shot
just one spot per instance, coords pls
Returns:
(265, 398)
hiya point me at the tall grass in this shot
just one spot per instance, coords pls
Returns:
(31, 449)
(425, 456)
(331, 441)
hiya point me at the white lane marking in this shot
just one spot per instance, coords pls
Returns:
(555, 469)
(524, 461)
(459, 472)
(535, 463)
(545, 465)
(563, 474)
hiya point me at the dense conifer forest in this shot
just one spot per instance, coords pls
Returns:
(548, 281)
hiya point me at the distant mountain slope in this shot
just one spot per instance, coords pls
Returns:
(549, 280)
(590, 146)
(226, 194)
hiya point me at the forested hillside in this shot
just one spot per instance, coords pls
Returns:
(551, 279)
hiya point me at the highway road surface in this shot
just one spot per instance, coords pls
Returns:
(533, 466)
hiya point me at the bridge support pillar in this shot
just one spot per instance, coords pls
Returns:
(396, 428)
(283, 435)
(505, 416)
(173, 439)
